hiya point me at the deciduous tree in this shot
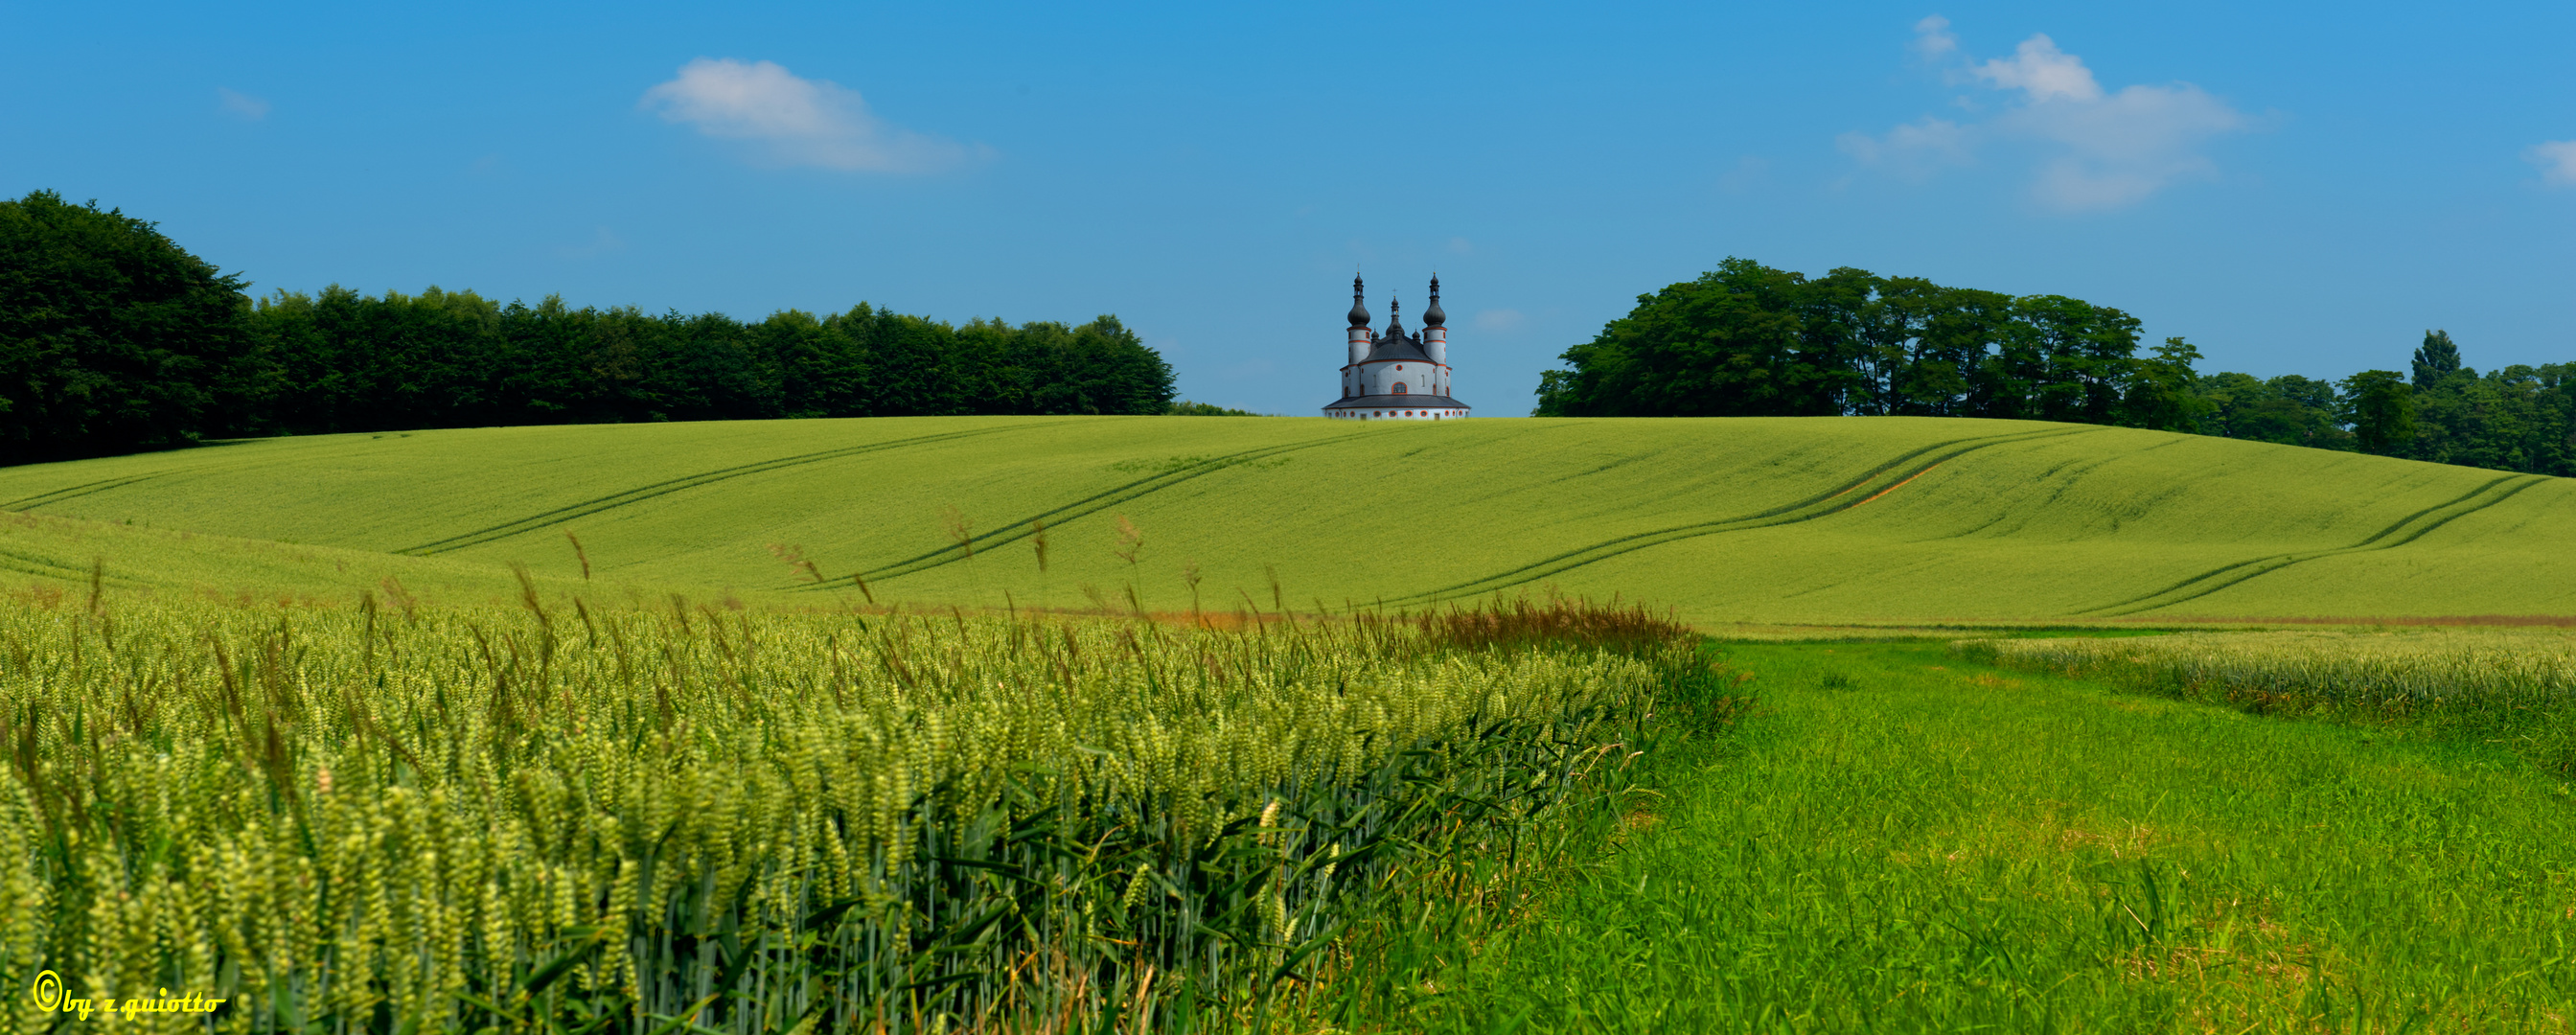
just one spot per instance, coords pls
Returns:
(112, 337)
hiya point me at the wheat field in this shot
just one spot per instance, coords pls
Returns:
(557, 817)
(1766, 520)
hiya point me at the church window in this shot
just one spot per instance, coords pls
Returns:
(1399, 388)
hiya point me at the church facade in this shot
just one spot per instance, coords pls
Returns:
(1393, 375)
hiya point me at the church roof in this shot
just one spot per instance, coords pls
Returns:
(1394, 344)
(1398, 347)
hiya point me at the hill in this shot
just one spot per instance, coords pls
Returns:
(1769, 519)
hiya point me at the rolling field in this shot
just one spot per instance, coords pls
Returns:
(1773, 520)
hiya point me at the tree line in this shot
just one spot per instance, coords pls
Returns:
(1749, 340)
(2512, 418)
(113, 339)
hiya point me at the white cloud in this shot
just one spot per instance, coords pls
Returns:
(1932, 38)
(1498, 320)
(2557, 162)
(796, 121)
(241, 105)
(1461, 246)
(2043, 72)
(2100, 149)
(2119, 149)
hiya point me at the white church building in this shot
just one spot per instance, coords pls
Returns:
(1393, 375)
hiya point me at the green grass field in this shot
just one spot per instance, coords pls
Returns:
(1903, 839)
(1725, 520)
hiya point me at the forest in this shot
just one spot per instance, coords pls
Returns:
(113, 338)
(1750, 340)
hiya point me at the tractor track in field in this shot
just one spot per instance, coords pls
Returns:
(2399, 533)
(1878, 481)
(38, 564)
(47, 567)
(612, 501)
(46, 499)
(1022, 528)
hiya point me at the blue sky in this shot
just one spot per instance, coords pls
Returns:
(2296, 188)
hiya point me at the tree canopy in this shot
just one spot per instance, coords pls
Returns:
(345, 361)
(1749, 340)
(114, 339)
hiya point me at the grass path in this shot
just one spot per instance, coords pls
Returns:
(1907, 842)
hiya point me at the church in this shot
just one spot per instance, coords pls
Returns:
(1393, 375)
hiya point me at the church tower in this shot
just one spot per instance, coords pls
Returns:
(1393, 375)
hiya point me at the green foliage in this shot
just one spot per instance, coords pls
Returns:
(112, 337)
(561, 816)
(1880, 519)
(2435, 360)
(1906, 840)
(2381, 410)
(1186, 408)
(1749, 340)
(2520, 418)
(1733, 343)
(2290, 410)
(2164, 392)
(351, 362)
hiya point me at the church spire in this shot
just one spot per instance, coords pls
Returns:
(1359, 309)
(1433, 317)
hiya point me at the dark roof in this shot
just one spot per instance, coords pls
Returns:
(1398, 347)
(1398, 402)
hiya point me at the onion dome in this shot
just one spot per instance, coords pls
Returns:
(1359, 309)
(1433, 317)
